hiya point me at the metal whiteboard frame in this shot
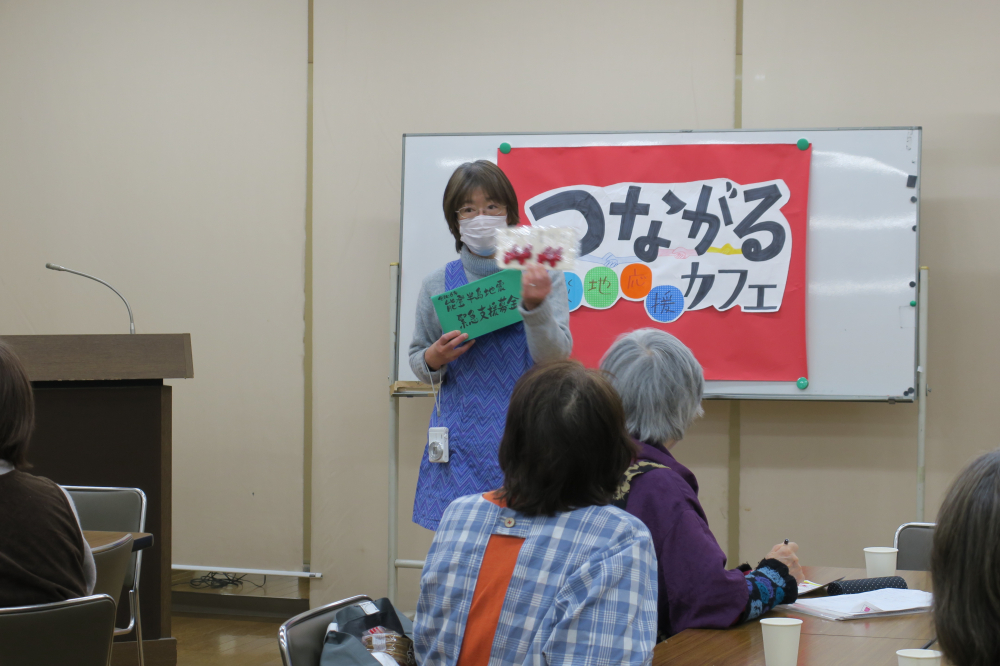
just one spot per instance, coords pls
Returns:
(397, 391)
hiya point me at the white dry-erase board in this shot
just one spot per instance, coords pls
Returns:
(861, 248)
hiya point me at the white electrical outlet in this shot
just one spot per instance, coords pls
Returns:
(437, 445)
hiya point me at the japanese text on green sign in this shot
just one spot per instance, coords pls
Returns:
(482, 306)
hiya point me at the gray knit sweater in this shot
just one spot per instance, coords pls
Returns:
(546, 327)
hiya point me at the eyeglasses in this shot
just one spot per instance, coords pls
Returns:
(469, 212)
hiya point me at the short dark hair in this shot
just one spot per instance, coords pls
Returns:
(479, 175)
(964, 561)
(565, 446)
(17, 409)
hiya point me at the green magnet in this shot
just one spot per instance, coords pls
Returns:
(913, 304)
(802, 144)
(802, 383)
(504, 147)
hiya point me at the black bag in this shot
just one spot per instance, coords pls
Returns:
(344, 647)
(865, 585)
(356, 620)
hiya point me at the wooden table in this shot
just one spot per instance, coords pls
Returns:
(99, 540)
(823, 642)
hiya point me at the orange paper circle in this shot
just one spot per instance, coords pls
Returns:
(636, 281)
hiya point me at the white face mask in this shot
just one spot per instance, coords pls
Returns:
(479, 233)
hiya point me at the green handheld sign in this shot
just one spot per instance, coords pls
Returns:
(482, 306)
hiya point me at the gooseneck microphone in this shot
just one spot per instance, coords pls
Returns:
(131, 323)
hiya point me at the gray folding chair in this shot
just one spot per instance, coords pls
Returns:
(116, 510)
(76, 631)
(913, 541)
(301, 638)
(112, 562)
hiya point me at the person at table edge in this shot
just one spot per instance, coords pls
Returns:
(43, 555)
(543, 570)
(661, 385)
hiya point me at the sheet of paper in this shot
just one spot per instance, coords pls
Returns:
(808, 586)
(742, 265)
(706, 241)
(865, 604)
(482, 306)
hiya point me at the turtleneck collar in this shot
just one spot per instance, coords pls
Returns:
(478, 266)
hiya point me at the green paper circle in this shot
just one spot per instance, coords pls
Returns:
(913, 304)
(802, 383)
(504, 147)
(802, 144)
(600, 287)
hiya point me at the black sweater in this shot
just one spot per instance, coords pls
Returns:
(41, 547)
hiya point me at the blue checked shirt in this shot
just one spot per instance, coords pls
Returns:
(583, 590)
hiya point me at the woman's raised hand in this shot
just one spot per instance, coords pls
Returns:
(446, 349)
(786, 554)
(535, 286)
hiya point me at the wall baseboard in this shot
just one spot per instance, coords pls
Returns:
(231, 604)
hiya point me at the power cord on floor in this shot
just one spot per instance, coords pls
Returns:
(218, 580)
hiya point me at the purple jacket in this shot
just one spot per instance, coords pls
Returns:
(695, 588)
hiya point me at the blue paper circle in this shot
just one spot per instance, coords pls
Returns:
(574, 289)
(665, 303)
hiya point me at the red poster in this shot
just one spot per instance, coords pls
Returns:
(707, 242)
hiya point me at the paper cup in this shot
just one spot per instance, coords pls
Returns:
(881, 562)
(918, 657)
(781, 640)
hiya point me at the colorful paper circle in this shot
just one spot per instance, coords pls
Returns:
(665, 303)
(600, 287)
(574, 290)
(636, 281)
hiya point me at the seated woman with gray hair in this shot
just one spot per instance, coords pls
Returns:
(661, 384)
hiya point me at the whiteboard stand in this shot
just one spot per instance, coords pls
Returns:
(922, 389)
(397, 390)
(393, 440)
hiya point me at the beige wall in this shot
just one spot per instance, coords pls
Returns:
(385, 68)
(838, 477)
(161, 146)
(835, 477)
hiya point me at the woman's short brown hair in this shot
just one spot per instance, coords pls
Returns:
(469, 177)
(565, 444)
(17, 409)
(965, 566)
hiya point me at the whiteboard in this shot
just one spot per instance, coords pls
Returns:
(861, 255)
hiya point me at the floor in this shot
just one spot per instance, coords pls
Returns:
(227, 640)
(222, 640)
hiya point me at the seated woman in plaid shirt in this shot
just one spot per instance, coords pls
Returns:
(543, 570)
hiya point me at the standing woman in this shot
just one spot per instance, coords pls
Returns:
(476, 379)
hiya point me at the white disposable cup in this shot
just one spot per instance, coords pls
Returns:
(881, 562)
(918, 657)
(781, 640)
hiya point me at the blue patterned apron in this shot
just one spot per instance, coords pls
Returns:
(473, 399)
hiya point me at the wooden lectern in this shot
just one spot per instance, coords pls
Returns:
(103, 418)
